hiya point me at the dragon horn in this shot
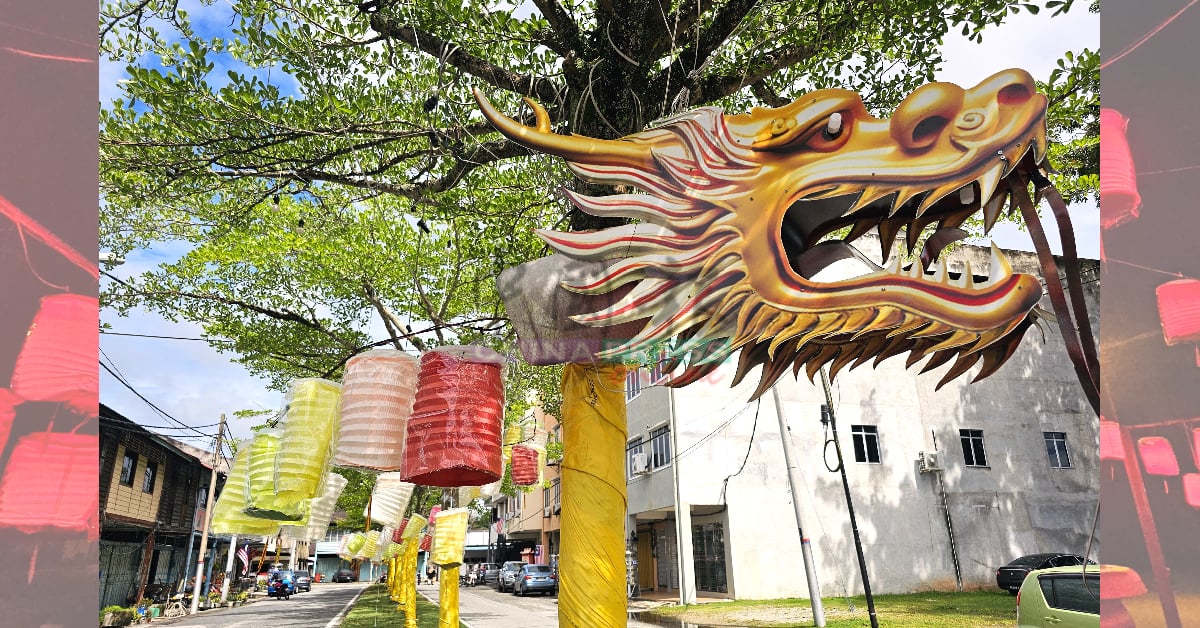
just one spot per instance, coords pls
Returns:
(576, 148)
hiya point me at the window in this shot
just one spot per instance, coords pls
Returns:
(660, 447)
(633, 383)
(657, 374)
(1067, 592)
(148, 478)
(557, 488)
(866, 443)
(1056, 449)
(632, 449)
(972, 445)
(128, 468)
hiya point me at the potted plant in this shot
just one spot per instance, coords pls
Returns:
(117, 616)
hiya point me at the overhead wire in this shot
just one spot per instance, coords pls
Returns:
(139, 395)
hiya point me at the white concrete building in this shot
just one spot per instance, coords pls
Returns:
(1017, 453)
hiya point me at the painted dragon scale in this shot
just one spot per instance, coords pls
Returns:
(733, 217)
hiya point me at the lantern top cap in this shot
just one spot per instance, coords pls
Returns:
(471, 353)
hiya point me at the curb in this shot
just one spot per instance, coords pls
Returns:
(432, 601)
(341, 616)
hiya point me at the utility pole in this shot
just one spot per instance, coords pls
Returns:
(862, 562)
(212, 491)
(810, 568)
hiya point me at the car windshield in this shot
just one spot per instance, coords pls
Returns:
(1029, 560)
(537, 569)
(516, 567)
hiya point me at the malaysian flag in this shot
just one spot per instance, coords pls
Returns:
(244, 556)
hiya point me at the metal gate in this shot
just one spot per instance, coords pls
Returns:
(119, 565)
(668, 559)
(708, 551)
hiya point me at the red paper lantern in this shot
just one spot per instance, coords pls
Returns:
(1119, 199)
(426, 542)
(1110, 441)
(1191, 489)
(1179, 309)
(398, 533)
(50, 481)
(1119, 582)
(1157, 456)
(524, 465)
(58, 361)
(453, 436)
(433, 513)
(8, 412)
(1196, 446)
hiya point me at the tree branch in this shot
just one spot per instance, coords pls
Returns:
(678, 23)
(543, 88)
(764, 93)
(565, 36)
(390, 321)
(711, 88)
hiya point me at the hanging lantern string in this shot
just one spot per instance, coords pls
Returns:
(1149, 268)
(1137, 44)
(27, 223)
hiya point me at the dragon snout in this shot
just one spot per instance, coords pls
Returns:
(939, 108)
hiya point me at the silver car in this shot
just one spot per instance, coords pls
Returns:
(508, 575)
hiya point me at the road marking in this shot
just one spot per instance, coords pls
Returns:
(337, 620)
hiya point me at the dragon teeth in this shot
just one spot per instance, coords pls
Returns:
(988, 181)
(966, 194)
(1000, 268)
(1039, 144)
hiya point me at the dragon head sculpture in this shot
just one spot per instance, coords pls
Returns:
(735, 214)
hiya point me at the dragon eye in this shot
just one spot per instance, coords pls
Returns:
(832, 134)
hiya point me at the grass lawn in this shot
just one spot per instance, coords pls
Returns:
(985, 609)
(376, 610)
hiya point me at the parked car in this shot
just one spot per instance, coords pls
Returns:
(1060, 597)
(303, 581)
(491, 573)
(535, 578)
(345, 575)
(508, 575)
(1010, 576)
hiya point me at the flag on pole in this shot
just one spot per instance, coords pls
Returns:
(244, 556)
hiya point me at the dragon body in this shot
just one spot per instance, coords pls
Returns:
(734, 215)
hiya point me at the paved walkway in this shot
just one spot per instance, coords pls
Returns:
(484, 607)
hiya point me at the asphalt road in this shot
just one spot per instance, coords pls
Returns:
(484, 607)
(313, 609)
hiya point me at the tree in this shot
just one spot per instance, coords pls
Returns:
(326, 168)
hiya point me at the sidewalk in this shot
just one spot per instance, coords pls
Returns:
(477, 611)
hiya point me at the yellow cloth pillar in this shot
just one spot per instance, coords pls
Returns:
(448, 598)
(394, 579)
(411, 547)
(592, 565)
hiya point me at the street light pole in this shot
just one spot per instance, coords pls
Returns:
(212, 490)
(862, 562)
(810, 568)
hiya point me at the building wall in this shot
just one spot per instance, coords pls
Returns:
(131, 501)
(1016, 505)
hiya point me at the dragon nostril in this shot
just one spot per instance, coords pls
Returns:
(1014, 94)
(928, 129)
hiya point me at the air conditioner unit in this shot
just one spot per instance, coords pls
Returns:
(928, 461)
(545, 512)
(640, 465)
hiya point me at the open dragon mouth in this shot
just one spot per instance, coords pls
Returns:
(736, 214)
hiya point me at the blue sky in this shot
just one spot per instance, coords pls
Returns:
(195, 383)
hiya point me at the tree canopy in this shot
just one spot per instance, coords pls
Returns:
(326, 172)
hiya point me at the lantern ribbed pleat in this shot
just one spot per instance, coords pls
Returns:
(524, 465)
(351, 545)
(313, 411)
(450, 538)
(1191, 489)
(260, 491)
(415, 526)
(389, 499)
(58, 361)
(377, 397)
(50, 481)
(1119, 199)
(320, 510)
(8, 412)
(385, 539)
(228, 516)
(398, 533)
(370, 544)
(1110, 441)
(1179, 309)
(454, 432)
(426, 542)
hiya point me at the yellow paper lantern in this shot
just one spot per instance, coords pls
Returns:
(450, 537)
(261, 500)
(313, 410)
(228, 516)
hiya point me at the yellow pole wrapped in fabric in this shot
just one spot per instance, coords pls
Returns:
(411, 547)
(592, 564)
(448, 598)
